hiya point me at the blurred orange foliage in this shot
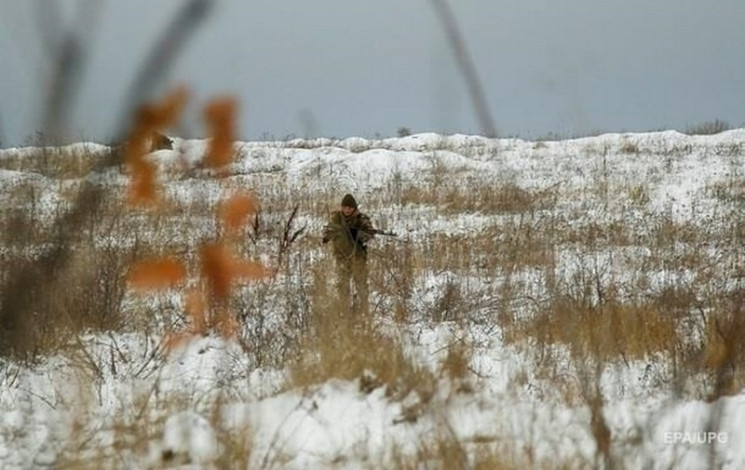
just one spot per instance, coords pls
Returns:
(216, 261)
(158, 273)
(235, 210)
(151, 118)
(220, 268)
(206, 305)
(220, 117)
(196, 308)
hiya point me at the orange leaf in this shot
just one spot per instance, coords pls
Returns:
(136, 148)
(158, 273)
(220, 268)
(220, 116)
(234, 210)
(150, 118)
(143, 187)
(170, 109)
(196, 308)
(156, 116)
(216, 262)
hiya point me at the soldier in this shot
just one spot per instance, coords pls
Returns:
(349, 231)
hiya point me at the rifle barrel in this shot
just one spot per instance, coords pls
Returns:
(383, 232)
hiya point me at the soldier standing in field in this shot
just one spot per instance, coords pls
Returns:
(349, 231)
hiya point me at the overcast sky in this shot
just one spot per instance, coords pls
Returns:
(340, 68)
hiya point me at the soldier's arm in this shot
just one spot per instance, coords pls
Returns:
(332, 228)
(366, 229)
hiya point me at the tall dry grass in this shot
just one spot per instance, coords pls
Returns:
(551, 279)
(580, 278)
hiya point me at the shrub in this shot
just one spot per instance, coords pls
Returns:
(708, 128)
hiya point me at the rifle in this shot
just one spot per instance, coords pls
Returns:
(383, 232)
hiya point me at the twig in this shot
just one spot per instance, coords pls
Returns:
(163, 55)
(466, 66)
(67, 52)
(288, 236)
(18, 296)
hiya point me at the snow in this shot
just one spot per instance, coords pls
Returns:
(125, 379)
(189, 437)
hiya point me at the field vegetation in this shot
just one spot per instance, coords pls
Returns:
(583, 271)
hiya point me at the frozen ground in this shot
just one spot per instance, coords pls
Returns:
(68, 404)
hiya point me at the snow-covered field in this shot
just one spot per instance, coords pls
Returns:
(491, 233)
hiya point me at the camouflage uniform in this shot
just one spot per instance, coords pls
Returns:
(349, 236)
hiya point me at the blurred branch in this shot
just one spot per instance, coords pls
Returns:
(67, 53)
(162, 56)
(466, 66)
(64, 86)
(2, 132)
(18, 303)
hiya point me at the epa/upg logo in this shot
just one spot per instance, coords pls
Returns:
(698, 437)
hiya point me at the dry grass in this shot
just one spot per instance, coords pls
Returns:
(558, 269)
(84, 296)
(237, 448)
(549, 260)
(708, 127)
(56, 162)
(444, 450)
(477, 197)
(731, 191)
(525, 236)
(343, 346)
(609, 332)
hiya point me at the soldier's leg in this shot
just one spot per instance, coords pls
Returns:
(359, 274)
(343, 276)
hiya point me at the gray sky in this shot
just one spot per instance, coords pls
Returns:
(341, 68)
